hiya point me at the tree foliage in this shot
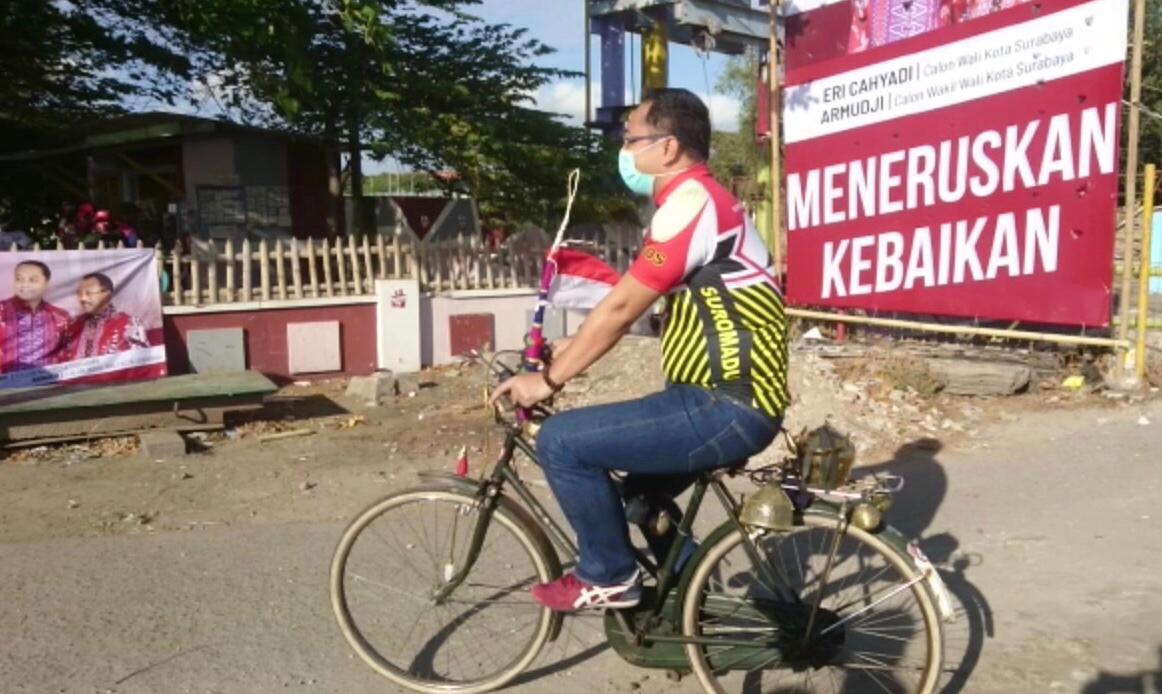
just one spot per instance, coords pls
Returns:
(62, 65)
(737, 157)
(422, 82)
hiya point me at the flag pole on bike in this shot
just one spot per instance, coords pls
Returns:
(535, 346)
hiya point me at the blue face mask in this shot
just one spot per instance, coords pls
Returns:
(639, 183)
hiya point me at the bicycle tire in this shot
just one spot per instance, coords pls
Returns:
(508, 517)
(711, 666)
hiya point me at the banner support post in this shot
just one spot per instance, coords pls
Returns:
(1130, 186)
(1144, 273)
(776, 149)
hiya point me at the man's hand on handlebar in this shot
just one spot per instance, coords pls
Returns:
(524, 390)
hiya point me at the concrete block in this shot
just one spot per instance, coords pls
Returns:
(407, 383)
(161, 444)
(974, 377)
(221, 350)
(373, 389)
(313, 347)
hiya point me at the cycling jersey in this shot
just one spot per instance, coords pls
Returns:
(724, 326)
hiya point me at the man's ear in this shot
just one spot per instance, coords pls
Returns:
(672, 151)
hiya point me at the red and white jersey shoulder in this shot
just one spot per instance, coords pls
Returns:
(699, 224)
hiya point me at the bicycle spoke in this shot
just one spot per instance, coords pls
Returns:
(486, 628)
(845, 584)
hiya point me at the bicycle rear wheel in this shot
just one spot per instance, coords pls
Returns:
(398, 552)
(876, 627)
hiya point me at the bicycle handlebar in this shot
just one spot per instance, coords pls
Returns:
(504, 372)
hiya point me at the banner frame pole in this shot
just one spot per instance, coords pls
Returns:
(776, 142)
(1131, 183)
(1144, 274)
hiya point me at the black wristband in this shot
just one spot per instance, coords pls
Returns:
(555, 387)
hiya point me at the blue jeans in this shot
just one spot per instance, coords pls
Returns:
(670, 436)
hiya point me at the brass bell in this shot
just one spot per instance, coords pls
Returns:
(768, 508)
(866, 516)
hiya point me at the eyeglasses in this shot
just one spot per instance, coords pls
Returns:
(627, 141)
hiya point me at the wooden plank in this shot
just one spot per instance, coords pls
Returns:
(231, 288)
(212, 273)
(477, 261)
(195, 279)
(296, 271)
(327, 267)
(342, 265)
(19, 401)
(465, 258)
(418, 262)
(280, 268)
(395, 257)
(175, 272)
(159, 262)
(356, 278)
(382, 249)
(314, 273)
(487, 258)
(190, 401)
(369, 272)
(247, 264)
(264, 269)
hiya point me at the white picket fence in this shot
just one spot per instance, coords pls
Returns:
(266, 271)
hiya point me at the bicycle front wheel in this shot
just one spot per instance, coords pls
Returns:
(825, 608)
(394, 558)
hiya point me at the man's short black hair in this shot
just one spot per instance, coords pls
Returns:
(681, 113)
(102, 279)
(39, 266)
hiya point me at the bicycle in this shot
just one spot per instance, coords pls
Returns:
(767, 597)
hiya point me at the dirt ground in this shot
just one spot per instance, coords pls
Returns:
(123, 562)
(109, 487)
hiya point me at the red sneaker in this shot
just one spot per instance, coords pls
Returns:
(570, 594)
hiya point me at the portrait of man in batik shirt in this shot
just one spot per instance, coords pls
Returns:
(32, 331)
(101, 329)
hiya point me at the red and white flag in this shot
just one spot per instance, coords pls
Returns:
(581, 280)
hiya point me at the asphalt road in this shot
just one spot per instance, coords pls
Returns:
(1048, 526)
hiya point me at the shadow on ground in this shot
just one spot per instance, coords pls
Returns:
(1145, 682)
(912, 513)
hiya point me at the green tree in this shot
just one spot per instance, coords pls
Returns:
(737, 157)
(423, 82)
(62, 65)
(1150, 133)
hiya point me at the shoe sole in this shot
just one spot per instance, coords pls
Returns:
(619, 605)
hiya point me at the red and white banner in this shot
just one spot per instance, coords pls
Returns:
(581, 281)
(967, 171)
(79, 317)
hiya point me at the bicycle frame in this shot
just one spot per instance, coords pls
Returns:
(491, 488)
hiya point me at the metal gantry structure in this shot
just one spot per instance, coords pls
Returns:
(721, 26)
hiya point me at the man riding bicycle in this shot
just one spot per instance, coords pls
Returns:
(724, 356)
